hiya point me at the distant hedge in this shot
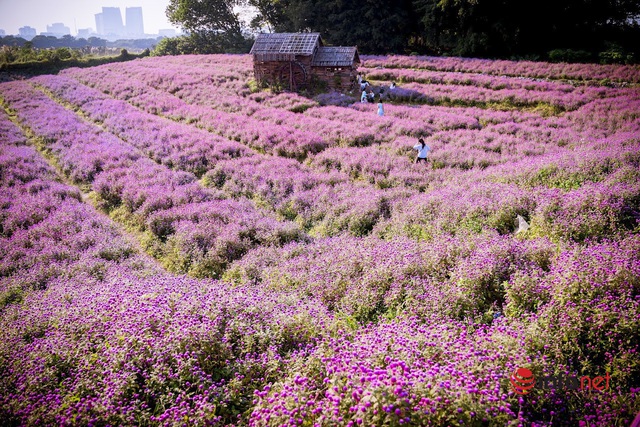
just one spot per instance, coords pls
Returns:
(52, 61)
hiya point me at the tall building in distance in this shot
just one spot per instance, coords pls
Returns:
(84, 33)
(99, 24)
(27, 32)
(58, 30)
(134, 25)
(109, 22)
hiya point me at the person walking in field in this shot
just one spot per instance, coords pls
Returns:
(423, 150)
(380, 107)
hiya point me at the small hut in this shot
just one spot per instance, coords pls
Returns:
(295, 59)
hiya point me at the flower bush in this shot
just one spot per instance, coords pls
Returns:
(180, 247)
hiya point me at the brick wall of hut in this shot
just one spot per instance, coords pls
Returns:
(266, 71)
(338, 78)
(269, 71)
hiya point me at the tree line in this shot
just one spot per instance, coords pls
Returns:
(580, 30)
(68, 41)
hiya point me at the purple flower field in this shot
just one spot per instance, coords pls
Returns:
(181, 248)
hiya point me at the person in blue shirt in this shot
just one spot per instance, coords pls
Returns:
(380, 108)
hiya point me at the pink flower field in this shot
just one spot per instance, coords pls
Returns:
(179, 247)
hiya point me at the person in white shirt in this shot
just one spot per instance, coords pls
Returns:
(423, 150)
(380, 108)
(363, 98)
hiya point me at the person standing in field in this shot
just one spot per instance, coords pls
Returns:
(423, 150)
(363, 97)
(380, 107)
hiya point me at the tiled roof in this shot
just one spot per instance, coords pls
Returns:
(284, 46)
(335, 56)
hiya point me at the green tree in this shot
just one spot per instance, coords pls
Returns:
(375, 26)
(12, 41)
(272, 14)
(97, 42)
(44, 42)
(484, 28)
(468, 27)
(212, 25)
(576, 24)
(499, 28)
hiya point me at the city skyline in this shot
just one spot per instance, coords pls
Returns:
(78, 16)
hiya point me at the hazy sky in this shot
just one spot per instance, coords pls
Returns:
(76, 14)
